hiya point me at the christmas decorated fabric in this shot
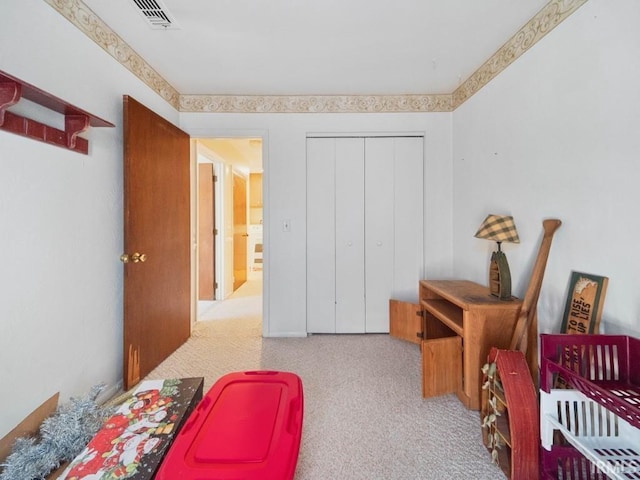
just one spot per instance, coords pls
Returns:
(132, 443)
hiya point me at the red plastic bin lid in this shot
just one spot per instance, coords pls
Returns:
(248, 426)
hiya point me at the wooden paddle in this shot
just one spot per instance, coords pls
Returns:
(528, 310)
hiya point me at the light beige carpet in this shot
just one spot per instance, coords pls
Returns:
(364, 417)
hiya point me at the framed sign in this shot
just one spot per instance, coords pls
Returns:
(582, 312)
(585, 300)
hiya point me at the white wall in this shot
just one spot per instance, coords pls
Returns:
(284, 184)
(61, 219)
(61, 212)
(556, 135)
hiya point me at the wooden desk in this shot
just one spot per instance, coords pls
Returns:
(461, 315)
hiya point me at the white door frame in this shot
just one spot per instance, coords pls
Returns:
(197, 133)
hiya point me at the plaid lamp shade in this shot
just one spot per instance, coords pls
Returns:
(499, 228)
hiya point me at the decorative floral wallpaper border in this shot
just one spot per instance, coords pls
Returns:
(551, 15)
(315, 103)
(542, 23)
(86, 20)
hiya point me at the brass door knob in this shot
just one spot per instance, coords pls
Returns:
(133, 258)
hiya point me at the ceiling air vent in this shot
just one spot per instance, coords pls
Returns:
(156, 14)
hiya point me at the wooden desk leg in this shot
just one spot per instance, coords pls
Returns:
(472, 351)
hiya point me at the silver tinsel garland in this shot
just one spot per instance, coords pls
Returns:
(61, 438)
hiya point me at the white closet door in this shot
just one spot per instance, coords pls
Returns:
(349, 235)
(321, 254)
(364, 230)
(408, 213)
(379, 231)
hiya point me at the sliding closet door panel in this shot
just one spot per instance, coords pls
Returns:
(349, 235)
(408, 206)
(321, 272)
(379, 226)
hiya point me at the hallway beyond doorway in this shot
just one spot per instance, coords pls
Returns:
(246, 301)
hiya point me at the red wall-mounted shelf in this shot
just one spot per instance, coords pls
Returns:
(76, 120)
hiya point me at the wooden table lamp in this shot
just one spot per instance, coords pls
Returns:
(499, 228)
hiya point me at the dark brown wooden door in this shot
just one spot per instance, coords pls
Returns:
(240, 231)
(206, 232)
(156, 228)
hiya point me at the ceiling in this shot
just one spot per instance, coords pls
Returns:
(320, 47)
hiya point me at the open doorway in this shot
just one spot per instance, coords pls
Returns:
(230, 214)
